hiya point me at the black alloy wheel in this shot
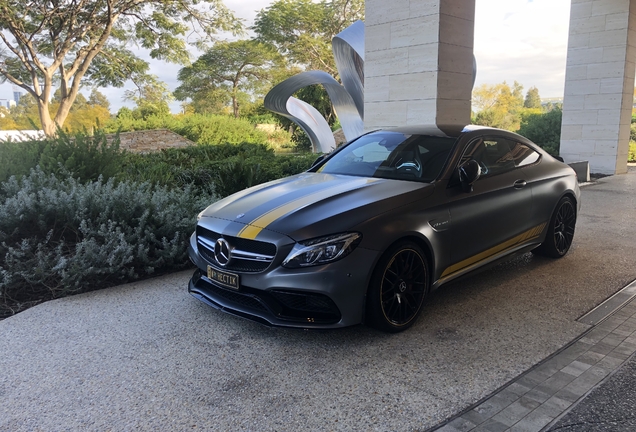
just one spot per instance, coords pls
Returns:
(561, 230)
(399, 286)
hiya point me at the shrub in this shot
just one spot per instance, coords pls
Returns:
(631, 156)
(200, 128)
(61, 236)
(223, 168)
(84, 156)
(17, 158)
(544, 130)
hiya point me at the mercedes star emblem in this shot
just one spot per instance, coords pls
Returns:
(222, 252)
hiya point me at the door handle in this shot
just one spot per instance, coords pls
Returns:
(520, 184)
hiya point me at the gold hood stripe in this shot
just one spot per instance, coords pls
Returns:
(521, 238)
(257, 225)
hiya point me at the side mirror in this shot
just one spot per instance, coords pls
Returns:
(317, 161)
(469, 172)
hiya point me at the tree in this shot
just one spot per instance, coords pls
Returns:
(544, 129)
(499, 105)
(98, 99)
(228, 72)
(302, 30)
(6, 121)
(533, 100)
(152, 97)
(25, 114)
(69, 43)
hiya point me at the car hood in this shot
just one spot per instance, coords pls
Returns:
(311, 204)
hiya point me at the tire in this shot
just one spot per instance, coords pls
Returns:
(399, 285)
(560, 233)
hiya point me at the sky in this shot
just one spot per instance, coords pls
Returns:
(515, 40)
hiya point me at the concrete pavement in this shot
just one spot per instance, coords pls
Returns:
(147, 356)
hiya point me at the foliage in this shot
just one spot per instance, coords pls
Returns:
(302, 29)
(6, 121)
(533, 100)
(82, 156)
(227, 73)
(223, 168)
(631, 155)
(152, 97)
(499, 105)
(17, 158)
(61, 236)
(71, 43)
(24, 116)
(200, 128)
(85, 157)
(83, 115)
(544, 130)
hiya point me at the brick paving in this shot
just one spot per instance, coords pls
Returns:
(537, 399)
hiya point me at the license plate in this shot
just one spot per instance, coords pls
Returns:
(228, 280)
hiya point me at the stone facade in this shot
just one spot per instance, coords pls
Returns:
(599, 86)
(151, 140)
(418, 63)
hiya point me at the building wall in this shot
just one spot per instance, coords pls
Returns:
(418, 63)
(599, 87)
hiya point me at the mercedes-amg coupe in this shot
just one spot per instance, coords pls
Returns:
(372, 228)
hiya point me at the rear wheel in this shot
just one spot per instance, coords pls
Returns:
(561, 230)
(398, 287)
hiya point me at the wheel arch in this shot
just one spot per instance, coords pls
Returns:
(572, 196)
(423, 243)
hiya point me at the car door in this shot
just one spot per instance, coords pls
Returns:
(488, 220)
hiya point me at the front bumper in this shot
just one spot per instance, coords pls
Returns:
(320, 297)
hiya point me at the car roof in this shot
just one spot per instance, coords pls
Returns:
(434, 130)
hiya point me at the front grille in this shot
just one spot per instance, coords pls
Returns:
(250, 256)
(307, 302)
(281, 305)
(237, 298)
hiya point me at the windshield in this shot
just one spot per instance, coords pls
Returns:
(392, 155)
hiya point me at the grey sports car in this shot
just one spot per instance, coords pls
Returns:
(372, 228)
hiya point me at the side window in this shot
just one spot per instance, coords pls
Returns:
(524, 155)
(493, 154)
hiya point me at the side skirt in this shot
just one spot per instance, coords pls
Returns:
(487, 263)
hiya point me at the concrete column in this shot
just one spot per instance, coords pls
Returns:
(599, 84)
(418, 63)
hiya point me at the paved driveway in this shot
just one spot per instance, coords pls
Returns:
(147, 356)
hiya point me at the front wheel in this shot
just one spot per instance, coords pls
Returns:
(399, 284)
(561, 230)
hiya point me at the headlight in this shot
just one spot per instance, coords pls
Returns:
(322, 250)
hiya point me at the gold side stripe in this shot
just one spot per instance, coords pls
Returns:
(257, 225)
(521, 238)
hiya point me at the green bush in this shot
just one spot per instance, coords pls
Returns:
(17, 158)
(544, 130)
(81, 155)
(84, 156)
(224, 169)
(631, 156)
(200, 128)
(62, 236)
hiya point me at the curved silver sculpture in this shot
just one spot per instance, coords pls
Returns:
(348, 51)
(348, 101)
(280, 100)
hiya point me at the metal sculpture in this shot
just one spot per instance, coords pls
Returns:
(347, 100)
